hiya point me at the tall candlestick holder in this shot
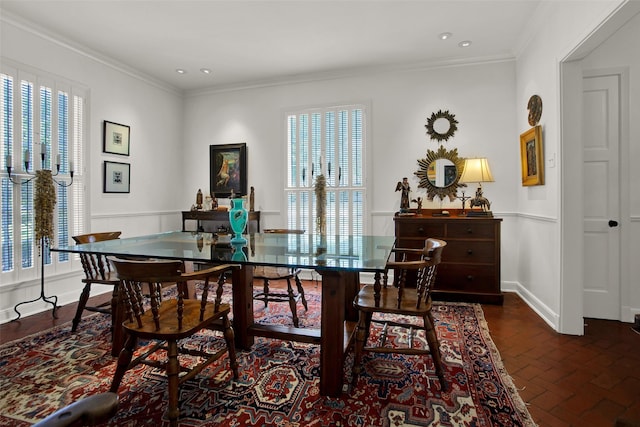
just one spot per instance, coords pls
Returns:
(44, 240)
(27, 163)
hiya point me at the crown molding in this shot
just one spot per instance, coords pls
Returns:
(350, 72)
(82, 50)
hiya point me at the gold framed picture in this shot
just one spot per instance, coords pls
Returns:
(531, 157)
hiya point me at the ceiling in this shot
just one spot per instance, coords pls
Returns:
(258, 42)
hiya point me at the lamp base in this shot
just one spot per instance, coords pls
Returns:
(480, 214)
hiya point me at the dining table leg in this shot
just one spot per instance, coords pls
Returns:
(338, 290)
(242, 306)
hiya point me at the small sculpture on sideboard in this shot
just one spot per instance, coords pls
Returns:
(199, 200)
(418, 201)
(404, 197)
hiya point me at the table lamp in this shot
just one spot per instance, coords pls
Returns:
(477, 170)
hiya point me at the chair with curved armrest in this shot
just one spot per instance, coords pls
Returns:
(402, 299)
(97, 271)
(268, 273)
(171, 319)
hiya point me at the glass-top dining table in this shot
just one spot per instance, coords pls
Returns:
(338, 259)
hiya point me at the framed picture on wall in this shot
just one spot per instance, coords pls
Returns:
(116, 138)
(228, 169)
(531, 157)
(117, 177)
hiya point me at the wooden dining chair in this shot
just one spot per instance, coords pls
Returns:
(170, 319)
(269, 273)
(401, 299)
(97, 270)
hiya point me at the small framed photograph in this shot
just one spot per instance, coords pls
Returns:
(531, 157)
(116, 138)
(228, 169)
(116, 177)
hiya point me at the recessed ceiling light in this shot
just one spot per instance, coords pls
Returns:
(205, 71)
(465, 43)
(181, 71)
(444, 36)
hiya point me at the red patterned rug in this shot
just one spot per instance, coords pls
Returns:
(278, 383)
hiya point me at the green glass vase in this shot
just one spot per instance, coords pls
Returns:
(238, 216)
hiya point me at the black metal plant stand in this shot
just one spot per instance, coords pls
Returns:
(53, 300)
(43, 240)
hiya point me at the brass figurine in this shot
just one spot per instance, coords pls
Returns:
(404, 198)
(199, 200)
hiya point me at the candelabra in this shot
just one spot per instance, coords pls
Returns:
(27, 163)
(53, 300)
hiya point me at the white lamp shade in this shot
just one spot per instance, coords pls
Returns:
(476, 170)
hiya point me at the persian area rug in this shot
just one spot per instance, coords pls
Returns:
(279, 381)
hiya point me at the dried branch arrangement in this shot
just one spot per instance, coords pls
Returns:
(45, 203)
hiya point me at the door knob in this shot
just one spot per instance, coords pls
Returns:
(613, 223)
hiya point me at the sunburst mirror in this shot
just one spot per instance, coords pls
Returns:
(440, 172)
(441, 125)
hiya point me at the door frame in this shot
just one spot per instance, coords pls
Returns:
(571, 319)
(623, 91)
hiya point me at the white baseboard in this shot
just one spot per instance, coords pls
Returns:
(541, 309)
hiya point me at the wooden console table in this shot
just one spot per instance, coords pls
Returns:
(218, 217)
(470, 268)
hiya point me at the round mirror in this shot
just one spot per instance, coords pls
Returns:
(439, 173)
(441, 125)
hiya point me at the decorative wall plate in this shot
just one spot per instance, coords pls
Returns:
(437, 125)
(535, 109)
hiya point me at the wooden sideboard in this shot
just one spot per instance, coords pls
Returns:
(210, 220)
(470, 268)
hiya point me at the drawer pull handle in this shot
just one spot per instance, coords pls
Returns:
(469, 231)
(469, 252)
(469, 278)
(421, 230)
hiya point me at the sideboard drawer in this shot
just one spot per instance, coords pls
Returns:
(414, 243)
(471, 229)
(473, 278)
(420, 229)
(470, 251)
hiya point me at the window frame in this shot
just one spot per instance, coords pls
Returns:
(76, 138)
(305, 219)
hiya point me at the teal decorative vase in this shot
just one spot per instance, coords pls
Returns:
(238, 216)
(238, 252)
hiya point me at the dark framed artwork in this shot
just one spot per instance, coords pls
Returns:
(531, 157)
(116, 138)
(228, 169)
(450, 174)
(117, 177)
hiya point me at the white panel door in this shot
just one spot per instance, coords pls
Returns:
(601, 133)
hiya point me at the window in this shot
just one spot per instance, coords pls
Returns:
(331, 141)
(38, 113)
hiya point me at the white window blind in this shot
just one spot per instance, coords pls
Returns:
(329, 141)
(38, 112)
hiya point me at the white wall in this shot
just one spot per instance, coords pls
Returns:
(480, 96)
(154, 113)
(546, 261)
